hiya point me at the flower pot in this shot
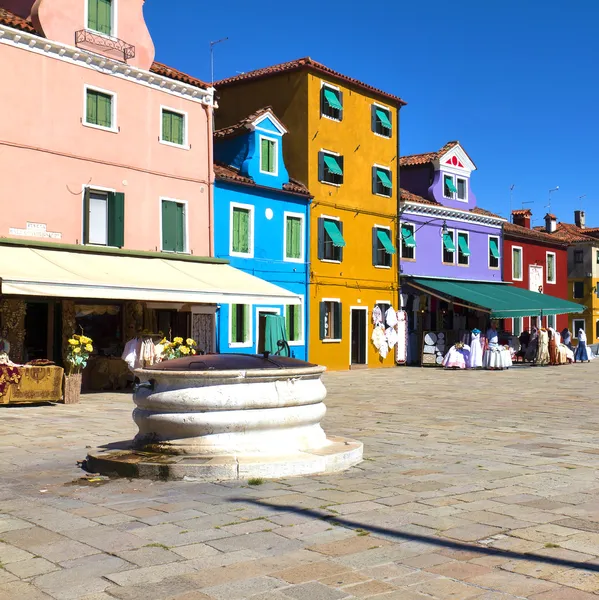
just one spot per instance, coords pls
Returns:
(72, 388)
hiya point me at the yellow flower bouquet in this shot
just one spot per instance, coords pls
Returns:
(178, 348)
(78, 351)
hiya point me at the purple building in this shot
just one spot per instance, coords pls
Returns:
(445, 239)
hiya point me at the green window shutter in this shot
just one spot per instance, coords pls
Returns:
(297, 322)
(86, 216)
(384, 178)
(450, 185)
(494, 248)
(448, 242)
(180, 227)
(177, 128)
(264, 152)
(271, 157)
(241, 230)
(408, 238)
(463, 244)
(383, 117)
(332, 99)
(235, 242)
(92, 14)
(293, 241)
(288, 316)
(332, 228)
(116, 219)
(169, 226)
(233, 316)
(338, 319)
(323, 317)
(99, 109)
(383, 237)
(332, 164)
(104, 16)
(91, 108)
(167, 135)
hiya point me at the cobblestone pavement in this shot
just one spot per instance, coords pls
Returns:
(475, 485)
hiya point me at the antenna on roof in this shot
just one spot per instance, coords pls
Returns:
(580, 200)
(555, 189)
(212, 44)
(511, 219)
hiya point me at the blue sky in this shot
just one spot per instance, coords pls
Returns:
(515, 81)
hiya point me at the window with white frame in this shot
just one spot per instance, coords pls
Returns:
(448, 247)
(381, 120)
(268, 155)
(293, 323)
(576, 325)
(100, 109)
(516, 263)
(294, 237)
(330, 239)
(408, 241)
(242, 230)
(103, 217)
(382, 247)
(551, 275)
(462, 187)
(330, 167)
(100, 16)
(331, 102)
(174, 226)
(494, 252)
(97, 229)
(330, 320)
(240, 322)
(382, 184)
(449, 188)
(173, 127)
(463, 248)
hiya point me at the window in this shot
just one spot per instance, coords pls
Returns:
(294, 238)
(382, 247)
(331, 103)
(103, 218)
(240, 315)
(293, 323)
(597, 258)
(597, 329)
(381, 121)
(551, 321)
(463, 249)
(99, 16)
(268, 155)
(517, 263)
(173, 128)
(576, 325)
(550, 267)
(173, 226)
(494, 254)
(578, 257)
(330, 168)
(449, 188)
(517, 326)
(462, 190)
(578, 289)
(330, 320)
(381, 181)
(100, 109)
(330, 239)
(408, 241)
(242, 230)
(448, 247)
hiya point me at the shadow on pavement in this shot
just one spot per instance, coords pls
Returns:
(425, 539)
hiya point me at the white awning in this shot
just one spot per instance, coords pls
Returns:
(70, 274)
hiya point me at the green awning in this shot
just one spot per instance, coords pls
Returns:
(408, 238)
(332, 99)
(383, 118)
(384, 239)
(502, 300)
(332, 164)
(449, 183)
(463, 245)
(384, 177)
(334, 233)
(448, 242)
(494, 248)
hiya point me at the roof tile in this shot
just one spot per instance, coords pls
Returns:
(511, 229)
(427, 157)
(228, 173)
(240, 126)
(12, 20)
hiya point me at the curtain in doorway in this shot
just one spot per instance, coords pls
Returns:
(275, 331)
(202, 331)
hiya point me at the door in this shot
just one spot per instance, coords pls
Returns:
(36, 330)
(358, 336)
(203, 332)
(535, 275)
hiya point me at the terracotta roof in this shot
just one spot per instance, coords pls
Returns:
(12, 20)
(522, 211)
(570, 233)
(427, 157)
(304, 63)
(511, 229)
(487, 213)
(227, 173)
(240, 126)
(550, 216)
(409, 197)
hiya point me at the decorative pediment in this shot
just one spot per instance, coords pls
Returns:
(456, 160)
(268, 123)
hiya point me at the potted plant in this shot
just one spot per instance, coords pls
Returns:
(78, 351)
(178, 348)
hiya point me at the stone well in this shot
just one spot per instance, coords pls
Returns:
(229, 416)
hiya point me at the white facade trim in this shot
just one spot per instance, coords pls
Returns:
(452, 214)
(554, 280)
(101, 64)
(521, 278)
(275, 141)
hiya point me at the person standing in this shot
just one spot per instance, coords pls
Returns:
(582, 352)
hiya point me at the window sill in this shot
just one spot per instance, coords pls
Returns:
(494, 268)
(408, 259)
(460, 265)
(240, 345)
(331, 341)
(384, 195)
(330, 183)
(516, 279)
(173, 145)
(296, 343)
(328, 260)
(100, 127)
(551, 282)
(382, 135)
(272, 173)
(448, 264)
(331, 118)
(108, 36)
(241, 254)
(381, 266)
(297, 261)
(175, 252)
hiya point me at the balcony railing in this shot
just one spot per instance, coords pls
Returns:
(104, 44)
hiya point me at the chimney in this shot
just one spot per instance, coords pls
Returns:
(550, 223)
(579, 218)
(522, 217)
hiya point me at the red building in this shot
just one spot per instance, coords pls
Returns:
(535, 260)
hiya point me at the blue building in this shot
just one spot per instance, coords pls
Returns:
(261, 224)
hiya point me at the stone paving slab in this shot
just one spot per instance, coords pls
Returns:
(475, 485)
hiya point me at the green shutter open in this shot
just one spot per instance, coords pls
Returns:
(179, 227)
(86, 193)
(233, 315)
(494, 249)
(448, 243)
(408, 238)
(332, 164)
(177, 128)
(383, 117)
(332, 99)
(91, 108)
(116, 219)
(383, 177)
(463, 244)
(169, 226)
(450, 185)
(383, 237)
(167, 135)
(333, 230)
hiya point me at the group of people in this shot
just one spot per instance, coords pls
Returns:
(550, 347)
(479, 352)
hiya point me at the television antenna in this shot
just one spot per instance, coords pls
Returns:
(580, 200)
(511, 196)
(212, 44)
(555, 189)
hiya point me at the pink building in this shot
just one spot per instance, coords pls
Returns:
(106, 166)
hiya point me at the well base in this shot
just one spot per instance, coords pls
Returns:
(339, 454)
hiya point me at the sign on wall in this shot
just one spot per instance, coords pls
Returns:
(535, 278)
(35, 230)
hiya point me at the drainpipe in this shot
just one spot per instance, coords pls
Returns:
(307, 299)
(398, 228)
(209, 147)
